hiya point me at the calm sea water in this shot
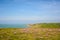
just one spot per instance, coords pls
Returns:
(13, 26)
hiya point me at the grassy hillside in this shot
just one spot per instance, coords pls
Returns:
(38, 31)
(30, 34)
(45, 25)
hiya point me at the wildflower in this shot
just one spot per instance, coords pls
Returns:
(58, 29)
(49, 29)
(41, 37)
(14, 32)
(47, 34)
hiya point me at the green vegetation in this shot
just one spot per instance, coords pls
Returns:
(46, 25)
(43, 31)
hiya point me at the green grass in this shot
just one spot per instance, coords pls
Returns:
(42, 31)
(47, 25)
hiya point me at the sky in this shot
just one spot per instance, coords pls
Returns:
(29, 11)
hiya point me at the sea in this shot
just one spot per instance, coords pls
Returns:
(13, 26)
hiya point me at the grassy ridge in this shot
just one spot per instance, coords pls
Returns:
(46, 25)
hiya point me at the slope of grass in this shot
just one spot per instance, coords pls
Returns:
(36, 32)
(46, 25)
(30, 34)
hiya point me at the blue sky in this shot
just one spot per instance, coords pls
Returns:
(29, 11)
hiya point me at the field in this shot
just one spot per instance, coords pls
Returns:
(39, 31)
